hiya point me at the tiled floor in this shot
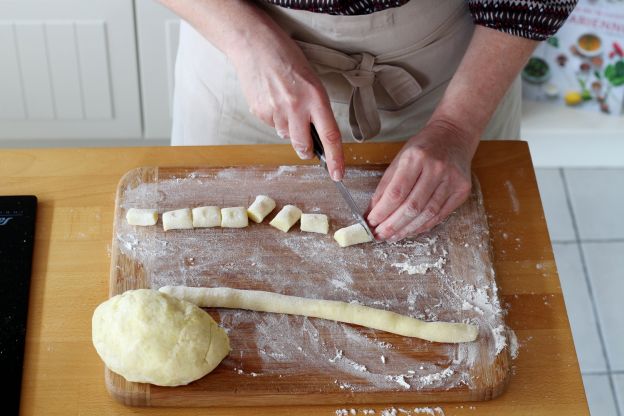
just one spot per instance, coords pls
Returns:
(585, 214)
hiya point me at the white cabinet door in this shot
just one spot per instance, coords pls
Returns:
(68, 69)
(157, 30)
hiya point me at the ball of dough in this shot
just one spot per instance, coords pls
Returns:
(142, 216)
(206, 217)
(286, 218)
(234, 217)
(315, 223)
(180, 219)
(149, 337)
(353, 234)
(261, 207)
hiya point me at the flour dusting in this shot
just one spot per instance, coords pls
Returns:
(427, 278)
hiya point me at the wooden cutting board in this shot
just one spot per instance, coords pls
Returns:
(277, 359)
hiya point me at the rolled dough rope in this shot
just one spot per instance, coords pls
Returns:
(255, 300)
(142, 216)
(315, 223)
(353, 234)
(260, 208)
(180, 219)
(206, 217)
(234, 217)
(286, 218)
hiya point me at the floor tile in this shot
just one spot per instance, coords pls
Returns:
(599, 395)
(597, 201)
(618, 380)
(579, 307)
(605, 264)
(552, 193)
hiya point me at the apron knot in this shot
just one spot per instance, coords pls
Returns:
(363, 73)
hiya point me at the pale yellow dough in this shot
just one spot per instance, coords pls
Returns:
(209, 216)
(255, 300)
(315, 223)
(286, 218)
(353, 234)
(234, 217)
(260, 208)
(142, 216)
(180, 219)
(150, 337)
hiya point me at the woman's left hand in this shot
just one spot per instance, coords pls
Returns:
(425, 182)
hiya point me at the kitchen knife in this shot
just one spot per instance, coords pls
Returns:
(319, 151)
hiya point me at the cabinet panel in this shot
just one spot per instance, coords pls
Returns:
(70, 70)
(94, 72)
(12, 105)
(33, 61)
(157, 30)
(65, 70)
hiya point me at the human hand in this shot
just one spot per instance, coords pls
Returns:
(283, 91)
(425, 182)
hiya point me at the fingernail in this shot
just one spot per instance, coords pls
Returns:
(282, 134)
(336, 175)
(394, 238)
(303, 154)
(372, 221)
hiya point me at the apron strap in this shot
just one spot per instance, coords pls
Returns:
(361, 71)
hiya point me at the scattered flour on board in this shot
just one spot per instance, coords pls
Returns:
(513, 196)
(514, 347)
(437, 289)
(394, 411)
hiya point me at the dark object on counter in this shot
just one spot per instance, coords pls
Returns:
(17, 233)
(562, 59)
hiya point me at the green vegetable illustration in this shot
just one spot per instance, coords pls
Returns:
(615, 73)
(553, 41)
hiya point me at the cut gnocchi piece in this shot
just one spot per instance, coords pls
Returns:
(353, 234)
(142, 216)
(286, 218)
(260, 208)
(209, 216)
(315, 223)
(234, 217)
(179, 219)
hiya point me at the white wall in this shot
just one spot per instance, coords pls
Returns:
(100, 73)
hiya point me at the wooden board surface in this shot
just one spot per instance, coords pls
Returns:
(444, 275)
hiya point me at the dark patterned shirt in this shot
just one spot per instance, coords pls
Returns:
(532, 19)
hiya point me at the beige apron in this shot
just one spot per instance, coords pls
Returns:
(384, 73)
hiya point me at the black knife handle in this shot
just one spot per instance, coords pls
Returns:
(319, 151)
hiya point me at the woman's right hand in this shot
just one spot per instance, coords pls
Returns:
(283, 91)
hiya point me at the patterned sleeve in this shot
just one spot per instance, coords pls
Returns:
(532, 19)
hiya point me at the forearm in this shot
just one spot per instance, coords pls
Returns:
(491, 62)
(232, 26)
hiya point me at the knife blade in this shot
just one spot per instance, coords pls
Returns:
(319, 151)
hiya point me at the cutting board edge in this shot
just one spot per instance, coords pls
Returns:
(145, 395)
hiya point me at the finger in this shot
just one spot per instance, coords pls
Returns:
(398, 189)
(281, 126)
(381, 187)
(431, 213)
(428, 192)
(327, 128)
(454, 201)
(299, 128)
(265, 114)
